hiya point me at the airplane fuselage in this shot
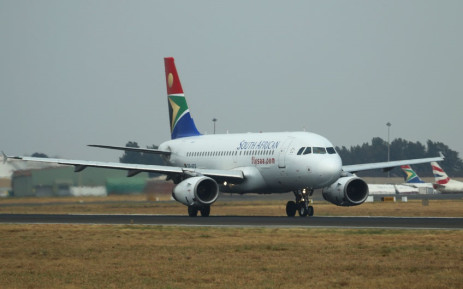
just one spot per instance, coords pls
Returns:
(450, 187)
(270, 162)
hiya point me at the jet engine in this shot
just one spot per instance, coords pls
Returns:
(198, 191)
(346, 191)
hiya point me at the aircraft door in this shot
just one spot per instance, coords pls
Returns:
(235, 156)
(282, 152)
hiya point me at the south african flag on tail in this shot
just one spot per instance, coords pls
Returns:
(411, 176)
(181, 123)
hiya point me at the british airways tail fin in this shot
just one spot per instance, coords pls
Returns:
(411, 177)
(181, 123)
(441, 177)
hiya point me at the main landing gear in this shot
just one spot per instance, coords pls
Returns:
(301, 205)
(193, 211)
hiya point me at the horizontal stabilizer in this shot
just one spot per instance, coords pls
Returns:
(140, 150)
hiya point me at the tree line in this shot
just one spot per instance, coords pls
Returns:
(400, 149)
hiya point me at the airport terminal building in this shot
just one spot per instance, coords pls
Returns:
(63, 181)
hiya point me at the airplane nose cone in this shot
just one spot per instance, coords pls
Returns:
(328, 171)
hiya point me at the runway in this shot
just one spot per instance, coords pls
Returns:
(239, 221)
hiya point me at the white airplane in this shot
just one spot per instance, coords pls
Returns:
(412, 179)
(276, 162)
(391, 189)
(413, 185)
(443, 183)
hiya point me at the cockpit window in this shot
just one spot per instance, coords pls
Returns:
(316, 150)
(319, 150)
(331, 150)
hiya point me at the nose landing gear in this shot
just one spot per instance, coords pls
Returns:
(193, 211)
(301, 205)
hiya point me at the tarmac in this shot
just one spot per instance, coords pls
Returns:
(238, 221)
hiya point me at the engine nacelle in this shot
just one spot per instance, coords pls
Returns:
(199, 191)
(347, 191)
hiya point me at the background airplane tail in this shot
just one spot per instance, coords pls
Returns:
(439, 174)
(410, 175)
(181, 123)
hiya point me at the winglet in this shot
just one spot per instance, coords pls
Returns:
(5, 157)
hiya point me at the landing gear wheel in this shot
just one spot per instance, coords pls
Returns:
(310, 211)
(205, 211)
(302, 203)
(291, 208)
(303, 211)
(192, 211)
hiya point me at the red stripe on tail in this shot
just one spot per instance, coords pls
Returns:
(437, 169)
(443, 182)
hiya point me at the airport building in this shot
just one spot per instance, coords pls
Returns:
(63, 181)
(5, 187)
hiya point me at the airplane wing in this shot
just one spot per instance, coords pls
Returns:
(387, 166)
(141, 150)
(232, 176)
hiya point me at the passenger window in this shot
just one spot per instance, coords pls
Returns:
(319, 150)
(331, 150)
(299, 152)
(308, 150)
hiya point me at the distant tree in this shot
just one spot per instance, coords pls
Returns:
(152, 159)
(130, 157)
(39, 155)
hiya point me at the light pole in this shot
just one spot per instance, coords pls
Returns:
(388, 145)
(214, 120)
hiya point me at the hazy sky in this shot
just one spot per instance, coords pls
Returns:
(74, 73)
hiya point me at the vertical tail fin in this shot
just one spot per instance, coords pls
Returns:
(439, 174)
(181, 123)
(411, 176)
